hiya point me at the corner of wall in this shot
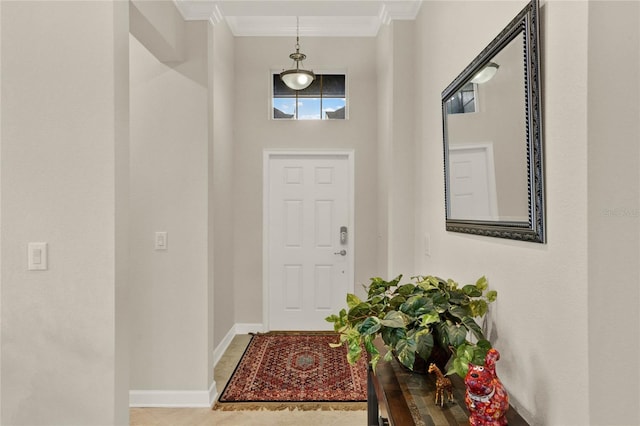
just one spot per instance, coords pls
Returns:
(159, 26)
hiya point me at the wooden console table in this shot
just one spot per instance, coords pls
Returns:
(399, 397)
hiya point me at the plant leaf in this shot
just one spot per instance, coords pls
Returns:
(451, 284)
(393, 319)
(378, 285)
(416, 305)
(473, 327)
(391, 336)
(396, 301)
(369, 345)
(458, 367)
(428, 283)
(456, 334)
(354, 351)
(405, 289)
(406, 352)
(440, 301)
(478, 307)
(482, 284)
(394, 282)
(458, 311)
(424, 343)
(429, 318)
(374, 361)
(359, 312)
(332, 318)
(480, 351)
(378, 299)
(369, 326)
(472, 290)
(353, 300)
(465, 352)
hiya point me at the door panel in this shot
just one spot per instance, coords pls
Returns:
(308, 199)
(472, 183)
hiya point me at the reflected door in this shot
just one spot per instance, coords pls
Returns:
(309, 262)
(472, 183)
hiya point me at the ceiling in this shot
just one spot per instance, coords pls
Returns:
(335, 18)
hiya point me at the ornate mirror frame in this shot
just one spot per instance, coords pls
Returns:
(525, 24)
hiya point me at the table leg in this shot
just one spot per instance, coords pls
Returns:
(372, 401)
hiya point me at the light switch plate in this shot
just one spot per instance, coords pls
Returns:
(427, 244)
(37, 257)
(161, 241)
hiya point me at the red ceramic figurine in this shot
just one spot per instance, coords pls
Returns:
(486, 398)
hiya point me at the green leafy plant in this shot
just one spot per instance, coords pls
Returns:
(415, 317)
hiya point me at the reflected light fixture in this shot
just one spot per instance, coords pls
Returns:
(297, 78)
(486, 73)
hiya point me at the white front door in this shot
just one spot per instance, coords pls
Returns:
(308, 263)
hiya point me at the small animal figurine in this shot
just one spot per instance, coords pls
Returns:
(444, 389)
(486, 397)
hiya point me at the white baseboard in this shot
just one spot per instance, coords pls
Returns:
(173, 399)
(223, 345)
(183, 399)
(249, 328)
(226, 340)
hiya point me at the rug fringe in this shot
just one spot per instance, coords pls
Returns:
(295, 333)
(291, 406)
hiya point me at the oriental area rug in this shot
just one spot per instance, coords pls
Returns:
(295, 370)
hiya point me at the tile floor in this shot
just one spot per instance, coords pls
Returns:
(207, 417)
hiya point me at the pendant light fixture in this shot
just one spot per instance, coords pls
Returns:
(486, 73)
(297, 78)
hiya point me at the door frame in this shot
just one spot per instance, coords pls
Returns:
(269, 154)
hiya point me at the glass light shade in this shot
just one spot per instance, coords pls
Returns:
(486, 73)
(297, 79)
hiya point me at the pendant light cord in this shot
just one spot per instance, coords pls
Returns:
(297, 33)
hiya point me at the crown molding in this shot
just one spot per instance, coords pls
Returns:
(352, 18)
(401, 10)
(195, 10)
(311, 26)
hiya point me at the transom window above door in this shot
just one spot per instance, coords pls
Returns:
(324, 99)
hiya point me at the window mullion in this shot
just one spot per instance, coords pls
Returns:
(320, 93)
(321, 98)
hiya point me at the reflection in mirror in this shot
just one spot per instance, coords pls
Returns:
(488, 169)
(464, 100)
(492, 138)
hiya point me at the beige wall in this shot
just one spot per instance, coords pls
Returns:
(169, 192)
(559, 304)
(221, 72)
(542, 299)
(614, 210)
(255, 132)
(159, 27)
(396, 177)
(182, 158)
(385, 68)
(64, 138)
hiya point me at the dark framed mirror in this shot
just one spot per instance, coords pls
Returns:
(492, 128)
